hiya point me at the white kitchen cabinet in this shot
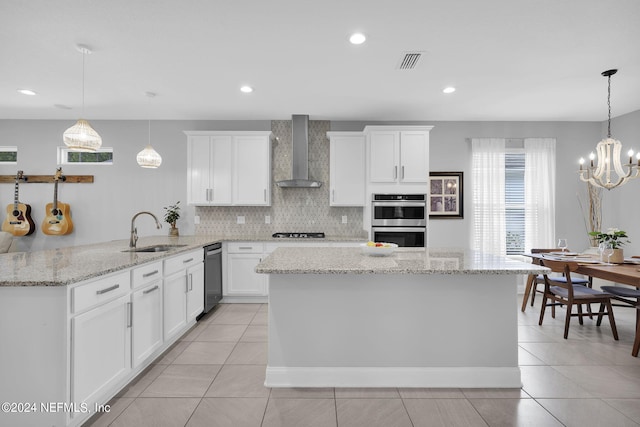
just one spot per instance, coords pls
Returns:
(252, 170)
(183, 291)
(242, 280)
(195, 291)
(146, 322)
(228, 168)
(100, 349)
(346, 168)
(398, 154)
(175, 304)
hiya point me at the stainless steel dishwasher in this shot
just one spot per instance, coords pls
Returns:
(212, 275)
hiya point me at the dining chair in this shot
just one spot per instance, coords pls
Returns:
(566, 293)
(626, 295)
(531, 288)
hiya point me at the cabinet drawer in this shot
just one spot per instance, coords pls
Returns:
(245, 247)
(146, 274)
(182, 261)
(100, 291)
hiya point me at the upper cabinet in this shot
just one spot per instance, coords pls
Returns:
(347, 168)
(398, 154)
(228, 168)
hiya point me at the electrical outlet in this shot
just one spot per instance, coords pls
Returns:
(240, 219)
(196, 219)
(267, 219)
(344, 219)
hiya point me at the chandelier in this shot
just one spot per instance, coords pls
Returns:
(608, 150)
(81, 136)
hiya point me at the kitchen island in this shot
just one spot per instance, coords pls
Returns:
(418, 318)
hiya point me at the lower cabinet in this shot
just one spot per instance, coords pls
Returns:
(183, 291)
(240, 281)
(195, 291)
(146, 322)
(100, 349)
(175, 304)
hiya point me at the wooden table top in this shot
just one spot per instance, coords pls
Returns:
(628, 274)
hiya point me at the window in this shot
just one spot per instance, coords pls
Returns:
(513, 186)
(9, 155)
(102, 156)
(514, 164)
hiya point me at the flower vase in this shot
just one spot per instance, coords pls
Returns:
(617, 257)
(173, 232)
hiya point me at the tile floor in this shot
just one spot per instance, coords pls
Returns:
(214, 377)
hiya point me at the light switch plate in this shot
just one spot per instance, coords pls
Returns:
(196, 219)
(344, 219)
(267, 219)
(240, 219)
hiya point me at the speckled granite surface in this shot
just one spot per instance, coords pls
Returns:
(65, 266)
(418, 261)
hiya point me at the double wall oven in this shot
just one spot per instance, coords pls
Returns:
(400, 219)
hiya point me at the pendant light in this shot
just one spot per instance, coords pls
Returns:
(608, 151)
(81, 136)
(149, 158)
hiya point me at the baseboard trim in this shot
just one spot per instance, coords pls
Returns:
(441, 377)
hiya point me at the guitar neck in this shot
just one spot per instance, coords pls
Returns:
(15, 196)
(55, 195)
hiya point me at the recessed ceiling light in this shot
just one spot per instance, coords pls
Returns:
(26, 91)
(246, 89)
(357, 38)
(449, 89)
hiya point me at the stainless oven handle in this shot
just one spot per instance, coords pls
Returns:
(399, 229)
(401, 204)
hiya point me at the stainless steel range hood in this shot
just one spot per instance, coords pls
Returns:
(299, 155)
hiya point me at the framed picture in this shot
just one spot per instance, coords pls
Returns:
(445, 195)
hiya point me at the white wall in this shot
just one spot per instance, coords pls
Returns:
(103, 210)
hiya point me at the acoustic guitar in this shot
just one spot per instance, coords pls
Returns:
(18, 221)
(57, 221)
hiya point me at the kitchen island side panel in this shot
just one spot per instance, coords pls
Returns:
(441, 326)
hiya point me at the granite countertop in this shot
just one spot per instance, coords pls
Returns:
(406, 261)
(65, 266)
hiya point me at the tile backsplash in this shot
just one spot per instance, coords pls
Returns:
(292, 209)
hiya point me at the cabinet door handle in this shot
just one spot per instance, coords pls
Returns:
(211, 197)
(245, 247)
(151, 273)
(187, 260)
(109, 289)
(333, 195)
(129, 315)
(265, 194)
(148, 291)
(402, 172)
(395, 172)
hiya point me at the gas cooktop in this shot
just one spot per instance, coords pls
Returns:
(299, 235)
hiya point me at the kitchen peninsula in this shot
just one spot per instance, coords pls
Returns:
(418, 318)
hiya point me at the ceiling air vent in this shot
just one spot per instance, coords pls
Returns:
(410, 60)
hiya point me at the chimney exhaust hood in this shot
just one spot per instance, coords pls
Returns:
(299, 155)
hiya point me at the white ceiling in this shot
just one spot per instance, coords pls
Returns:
(509, 59)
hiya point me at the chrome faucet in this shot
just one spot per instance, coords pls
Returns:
(134, 230)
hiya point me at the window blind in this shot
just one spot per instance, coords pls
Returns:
(515, 202)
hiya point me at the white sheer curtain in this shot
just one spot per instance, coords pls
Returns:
(540, 192)
(488, 233)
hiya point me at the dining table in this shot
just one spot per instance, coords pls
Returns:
(627, 273)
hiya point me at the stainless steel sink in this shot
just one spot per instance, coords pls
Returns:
(155, 248)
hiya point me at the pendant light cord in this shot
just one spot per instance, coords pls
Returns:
(609, 106)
